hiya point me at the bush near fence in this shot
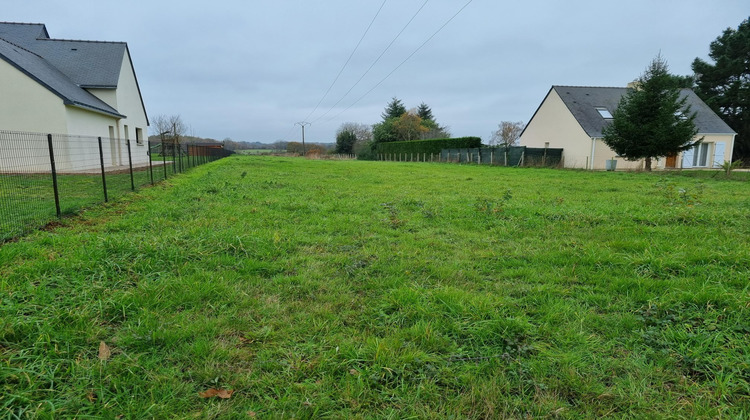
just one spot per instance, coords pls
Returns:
(428, 146)
(46, 176)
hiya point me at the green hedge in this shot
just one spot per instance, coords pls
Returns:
(429, 146)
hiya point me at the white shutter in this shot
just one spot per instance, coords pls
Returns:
(687, 158)
(718, 154)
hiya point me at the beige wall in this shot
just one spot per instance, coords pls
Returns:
(88, 123)
(28, 106)
(555, 124)
(714, 160)
(109, 96)
(603, 153)
(129, 104)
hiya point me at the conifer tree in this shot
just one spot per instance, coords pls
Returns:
(652, 120)
(425, 113)
(725, 85)
(394, 109)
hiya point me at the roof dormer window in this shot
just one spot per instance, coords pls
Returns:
(604, 113)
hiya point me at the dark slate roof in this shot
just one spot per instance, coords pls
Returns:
(90, 64)
(52, 78)
(582, 102)
(23, 33)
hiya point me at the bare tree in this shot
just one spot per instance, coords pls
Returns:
(362, 132)
(171, 125)
(507, 134)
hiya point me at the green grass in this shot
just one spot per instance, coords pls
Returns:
(27, 201)
(350, 289)
(258, 151)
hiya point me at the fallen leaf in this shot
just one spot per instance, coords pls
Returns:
(252, 413)
(353, 372)
(104, 351)
(224, 394)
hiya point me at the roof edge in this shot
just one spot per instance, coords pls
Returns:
(94, 109)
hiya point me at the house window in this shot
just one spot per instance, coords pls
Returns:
(139, 136)
(700, 155)
(604, 112)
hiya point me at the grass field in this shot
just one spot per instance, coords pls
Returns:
(258, 151)
(350, 289)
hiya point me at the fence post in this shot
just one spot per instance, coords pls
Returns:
(180, 154)
(164, 157)
(174, 156)
(104, 177)
(54, 175)
(150, 167)
(130, 164)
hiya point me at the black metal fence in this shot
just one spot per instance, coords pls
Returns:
(502, 156)
(46, 176)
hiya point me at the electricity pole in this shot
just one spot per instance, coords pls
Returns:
(303, 124)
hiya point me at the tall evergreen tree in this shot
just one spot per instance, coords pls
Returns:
(425, 113)
(725, 85)
(394, 109)
(652, 120)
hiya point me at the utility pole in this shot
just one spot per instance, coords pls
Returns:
(303, 124)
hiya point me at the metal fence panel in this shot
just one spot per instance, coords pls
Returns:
(44, 176)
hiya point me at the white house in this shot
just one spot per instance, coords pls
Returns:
(573, 117)
(71, 88)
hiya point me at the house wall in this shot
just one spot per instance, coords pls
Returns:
(109, 96)
(555, 124)
(603, 153)
(714, 160)
(25, 105)
(129, 104)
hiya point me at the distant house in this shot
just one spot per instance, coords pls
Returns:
(74, 88)
(573, 117)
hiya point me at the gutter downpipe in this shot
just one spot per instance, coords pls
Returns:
(593, 150)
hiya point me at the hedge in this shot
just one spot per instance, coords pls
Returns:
(429, 146)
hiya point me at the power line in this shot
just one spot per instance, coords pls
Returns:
(402, 63)
(375, 62)
(347, 60)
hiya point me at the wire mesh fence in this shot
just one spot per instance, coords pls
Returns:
(502, 156)
(47, 176)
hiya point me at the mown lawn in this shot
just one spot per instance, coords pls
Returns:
(346, 289)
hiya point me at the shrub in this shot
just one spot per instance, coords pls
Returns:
(429, 146)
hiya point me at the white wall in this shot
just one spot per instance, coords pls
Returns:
(129, 104)
(555, 124)
(25, 105)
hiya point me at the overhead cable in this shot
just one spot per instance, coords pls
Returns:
(376, 61)
(402, 63)
(347, 61)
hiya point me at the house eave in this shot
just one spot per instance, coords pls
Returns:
(94, 109)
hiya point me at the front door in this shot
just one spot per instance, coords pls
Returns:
(671, 162)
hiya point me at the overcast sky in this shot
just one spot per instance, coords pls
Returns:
(249, 69)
